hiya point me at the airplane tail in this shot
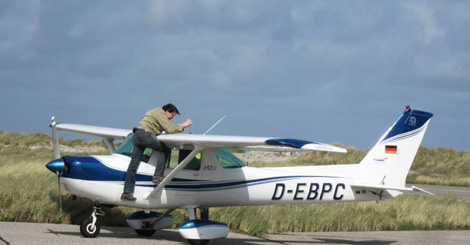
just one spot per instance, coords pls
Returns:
(389, 161)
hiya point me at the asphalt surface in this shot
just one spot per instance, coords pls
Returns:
(29, 233)
(462, 193)
(12, 233)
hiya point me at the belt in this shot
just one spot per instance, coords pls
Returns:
(137, 129)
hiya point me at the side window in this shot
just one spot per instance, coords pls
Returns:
(178, 156)
(195, 163)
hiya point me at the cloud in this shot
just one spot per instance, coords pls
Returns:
(428, 30)
(19, 21)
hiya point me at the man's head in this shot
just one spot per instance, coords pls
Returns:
(170, 110)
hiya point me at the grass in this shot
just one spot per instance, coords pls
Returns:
(29, 193)
(406, 212)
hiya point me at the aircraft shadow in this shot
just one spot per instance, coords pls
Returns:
(80, 209)
(174, 236)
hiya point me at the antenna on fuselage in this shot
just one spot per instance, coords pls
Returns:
(215, 124)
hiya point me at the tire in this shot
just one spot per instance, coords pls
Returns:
(145, 232)
(198, 242)
(88, 230)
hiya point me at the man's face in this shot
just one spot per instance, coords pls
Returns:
(170, 115)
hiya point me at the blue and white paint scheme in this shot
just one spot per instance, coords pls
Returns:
(207, 175)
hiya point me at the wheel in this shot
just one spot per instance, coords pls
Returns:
(88, 229)
(198, 242)
(145, 232)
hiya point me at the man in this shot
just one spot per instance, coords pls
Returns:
(152, 124)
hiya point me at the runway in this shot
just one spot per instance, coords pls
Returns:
(12, 233)
(461, 193)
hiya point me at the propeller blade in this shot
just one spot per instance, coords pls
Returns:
(60, 197)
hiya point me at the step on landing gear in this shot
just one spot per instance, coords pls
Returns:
(91, 227)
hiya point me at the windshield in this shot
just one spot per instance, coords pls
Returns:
(228, 160)
(127, 147)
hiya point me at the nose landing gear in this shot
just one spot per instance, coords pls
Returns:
(91, 227)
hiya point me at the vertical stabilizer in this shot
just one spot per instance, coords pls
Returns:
(389, 161)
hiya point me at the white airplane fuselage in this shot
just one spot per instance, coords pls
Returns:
(213, 186)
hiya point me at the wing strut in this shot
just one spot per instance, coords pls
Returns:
(175, 171)
(110, 143)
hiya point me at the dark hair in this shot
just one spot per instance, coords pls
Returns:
(170, 108)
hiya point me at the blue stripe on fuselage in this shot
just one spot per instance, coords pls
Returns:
(91, 169)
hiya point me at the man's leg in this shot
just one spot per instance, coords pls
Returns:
(160, 168)
(150, 140)
(129, 184)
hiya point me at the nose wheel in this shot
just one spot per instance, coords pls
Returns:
(91, 227)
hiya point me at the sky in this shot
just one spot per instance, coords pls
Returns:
(325, 71)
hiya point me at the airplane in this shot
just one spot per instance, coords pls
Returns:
(206, 174)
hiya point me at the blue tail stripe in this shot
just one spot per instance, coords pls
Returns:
(410, 120)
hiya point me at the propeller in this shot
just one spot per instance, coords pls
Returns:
(58, 167)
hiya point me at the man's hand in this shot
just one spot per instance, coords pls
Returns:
(188, 123)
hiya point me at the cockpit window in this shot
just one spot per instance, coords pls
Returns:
(228, 160)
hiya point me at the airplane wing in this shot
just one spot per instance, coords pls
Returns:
(262, 143)
(206, 141)
(103, 132)
(108, 134)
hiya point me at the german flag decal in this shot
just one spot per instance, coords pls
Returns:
(391, 149)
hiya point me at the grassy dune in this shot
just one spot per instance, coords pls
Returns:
(29, 193)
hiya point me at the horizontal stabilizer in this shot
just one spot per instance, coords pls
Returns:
(378, 188)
